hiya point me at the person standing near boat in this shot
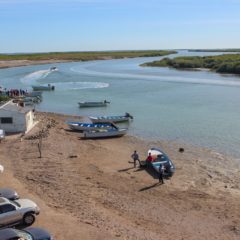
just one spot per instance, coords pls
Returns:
(149, 160)
(135, 158)
(161, 173)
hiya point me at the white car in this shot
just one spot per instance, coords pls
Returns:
(21, 211)
(2, 134)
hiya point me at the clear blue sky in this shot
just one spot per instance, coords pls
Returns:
(89, 25)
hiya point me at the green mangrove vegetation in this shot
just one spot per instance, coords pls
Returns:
(215, 50)
(84, 56)
(3, 98)
(226, 63)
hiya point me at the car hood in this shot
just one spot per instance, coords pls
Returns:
(38, 233)
(26, 203)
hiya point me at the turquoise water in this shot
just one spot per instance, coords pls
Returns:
(196, 107)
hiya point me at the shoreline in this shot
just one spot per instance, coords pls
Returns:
(21, 63)
(92, 184)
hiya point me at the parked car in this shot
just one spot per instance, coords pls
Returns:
(1, 168)
(21, 211)
(25, 234)
(2, 134)
(9, 193)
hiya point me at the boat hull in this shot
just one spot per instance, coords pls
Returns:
(109, 119)
(43, 88)
(107, 133)
(78, 126)
(92, 104)
(160, 158)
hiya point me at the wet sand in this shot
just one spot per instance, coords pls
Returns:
(88, 189)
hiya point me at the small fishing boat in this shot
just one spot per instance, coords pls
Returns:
(49, 87)
(94, 104)
(53, 69)
(34, 94)
(80, 126)
(160, 158)
(104, 133)
(114, 119)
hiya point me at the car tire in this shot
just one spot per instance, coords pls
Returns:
(28, 219)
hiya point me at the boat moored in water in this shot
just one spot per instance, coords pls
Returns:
(94, 104)
(114, 119)
(49, 87)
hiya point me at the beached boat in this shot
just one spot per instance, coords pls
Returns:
(160, 158)
(94, 104)
(114, 119)
(80, 126)
(105, 133)
(49, 87)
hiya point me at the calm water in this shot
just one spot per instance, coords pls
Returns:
(196, 107)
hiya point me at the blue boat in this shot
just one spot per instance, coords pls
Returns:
(160, 158)
(80, 126)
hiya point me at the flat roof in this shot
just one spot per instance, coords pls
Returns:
(14, 107)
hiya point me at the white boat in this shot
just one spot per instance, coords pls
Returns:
(48, 87)
(94, 104)
(114, 119)
(105, 133)
(80, 126)
(34, 94)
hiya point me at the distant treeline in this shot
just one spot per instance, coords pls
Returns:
(84, 56)
(227, 63)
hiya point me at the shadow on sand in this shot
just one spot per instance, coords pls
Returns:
(149, 187)
(125, 169)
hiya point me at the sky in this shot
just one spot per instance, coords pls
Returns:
(96, 25)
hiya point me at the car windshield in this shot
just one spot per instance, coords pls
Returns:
(15, 204)
(23, 235)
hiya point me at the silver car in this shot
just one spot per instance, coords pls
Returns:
(9, 193)
(21, 211)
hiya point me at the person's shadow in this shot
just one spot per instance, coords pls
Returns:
(149, 187)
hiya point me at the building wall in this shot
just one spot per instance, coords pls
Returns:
(29, 120)
(19, 121)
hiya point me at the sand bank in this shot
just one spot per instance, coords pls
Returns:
(19, 63)
(88, 188)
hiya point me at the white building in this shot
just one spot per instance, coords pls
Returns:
(14, 118)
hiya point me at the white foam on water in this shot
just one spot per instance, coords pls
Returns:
(32, 78)
(79, 85)
(174, 79)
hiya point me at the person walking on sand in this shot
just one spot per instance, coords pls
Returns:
(135, 158)
(161, 173)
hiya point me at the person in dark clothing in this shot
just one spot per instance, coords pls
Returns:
(135, 158)
(161, 172)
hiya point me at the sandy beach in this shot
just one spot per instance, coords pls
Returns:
(88, 189)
